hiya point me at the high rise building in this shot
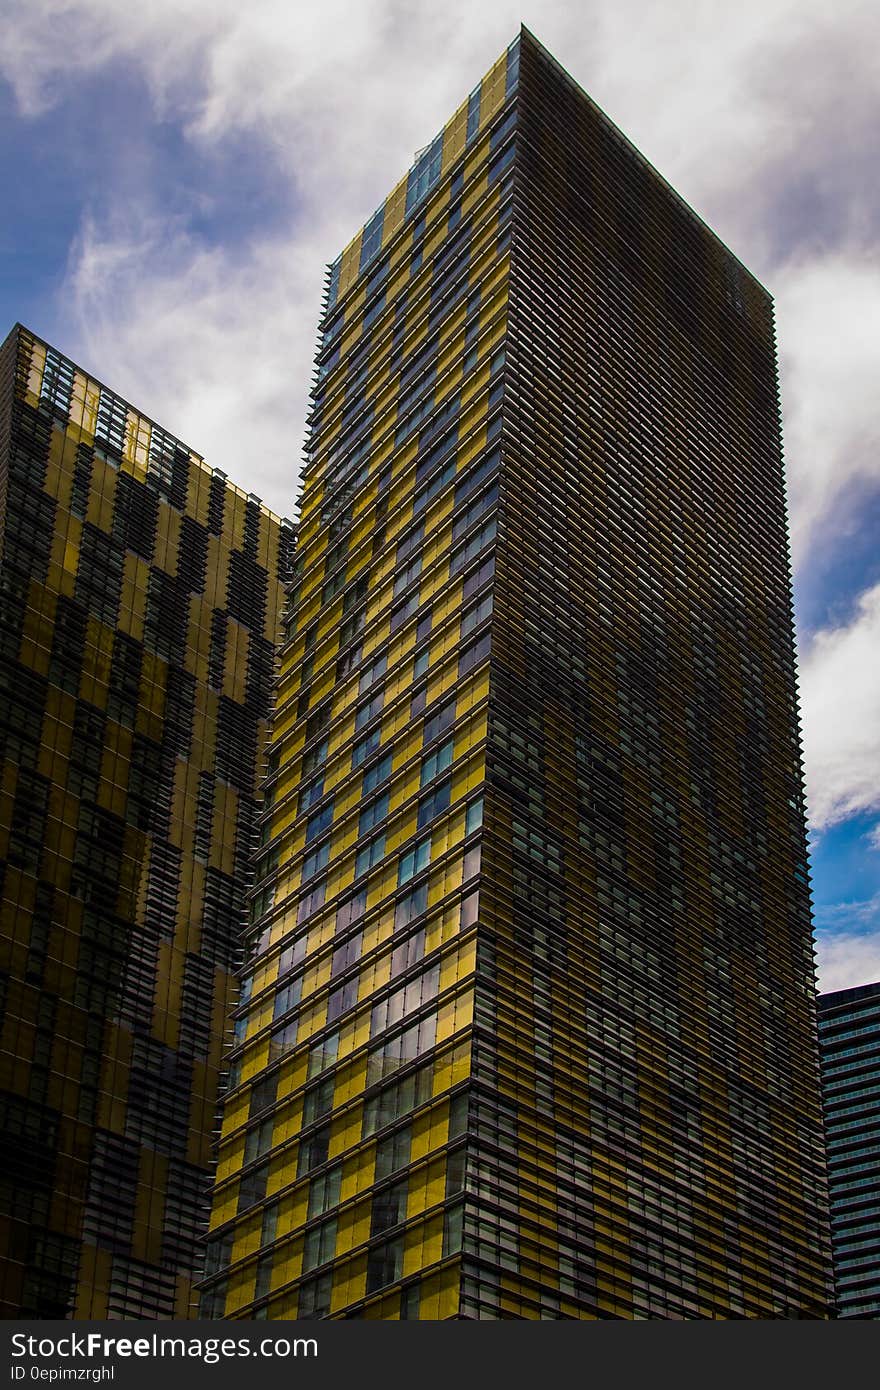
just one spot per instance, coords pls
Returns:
(140, 594)
(849, 1043)
(530, 1020)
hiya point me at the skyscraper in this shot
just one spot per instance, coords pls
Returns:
(140, 594)
(529, 1027)
(849, 1039)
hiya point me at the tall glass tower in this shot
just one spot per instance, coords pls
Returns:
(849, 1035)
(529, 1021)
(140, 599)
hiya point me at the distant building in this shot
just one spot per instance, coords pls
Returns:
(849, 1035)
(140, 596)
(528, 1027)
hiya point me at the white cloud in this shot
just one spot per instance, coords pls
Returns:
(847, 958)
(828, 310)
(227, 326)
(840, 706)
(341, 93)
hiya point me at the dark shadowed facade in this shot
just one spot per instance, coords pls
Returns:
(530, 1021)
(140, 596)
(849, 1039)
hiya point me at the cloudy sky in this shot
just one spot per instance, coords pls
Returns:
(177, 173)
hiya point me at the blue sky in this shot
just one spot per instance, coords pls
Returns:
(177, 175)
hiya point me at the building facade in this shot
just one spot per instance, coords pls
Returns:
(140, 596)
(849, 1042)
(529, 1027)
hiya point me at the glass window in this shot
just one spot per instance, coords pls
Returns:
(319, 822)
(375, 775)
(384, 1264)
(369, 856)
(365, 747)
(439, 722)
(324, 1191)
(313, 1151)
(315, 862)
(319, 1245)
(372, 673)
(373, 813)
(318, 1100)
(435, 803)
(474, 817)
(369, 709)
(388, 1208)
(371, 242)
(414, 861)
(424, 173)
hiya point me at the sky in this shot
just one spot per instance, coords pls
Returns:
(177, 175)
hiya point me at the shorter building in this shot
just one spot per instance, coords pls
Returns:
(849, 1035)
(140, 597)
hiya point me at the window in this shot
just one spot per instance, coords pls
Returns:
(263, 1093)
(424, 174)
(476, 614)
(346, 955)
(384, 1264)
(472, 546)
(369, 856)
(474, 818)
(351, 910)
(369, 709)
(372, 673)
(313, 1151)
(324, 1191)
(388, 1208)
(348, 661)
(374, 776)
(323, 1054)
(319, 822)
(473, 654)
(318, 1100)
(404, 610)
(478, 578)
(410, 907)
(407, 575)
(310, 902)
(408, 542)
(320, 1245)
(373, 814)
(281, 1040)
(314, 758)
(371, 242)
(414, 861)
(259, 1140)
(365, 747)
(312, 793)
(252, 1187)
(404, 1000)
(501, 131)
(439, 722)
(478, 508)
(435, 803)
(314, 1298)
(408, 953)
(436, 762)
(501, 162)
(287, 997)
(315, 862)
